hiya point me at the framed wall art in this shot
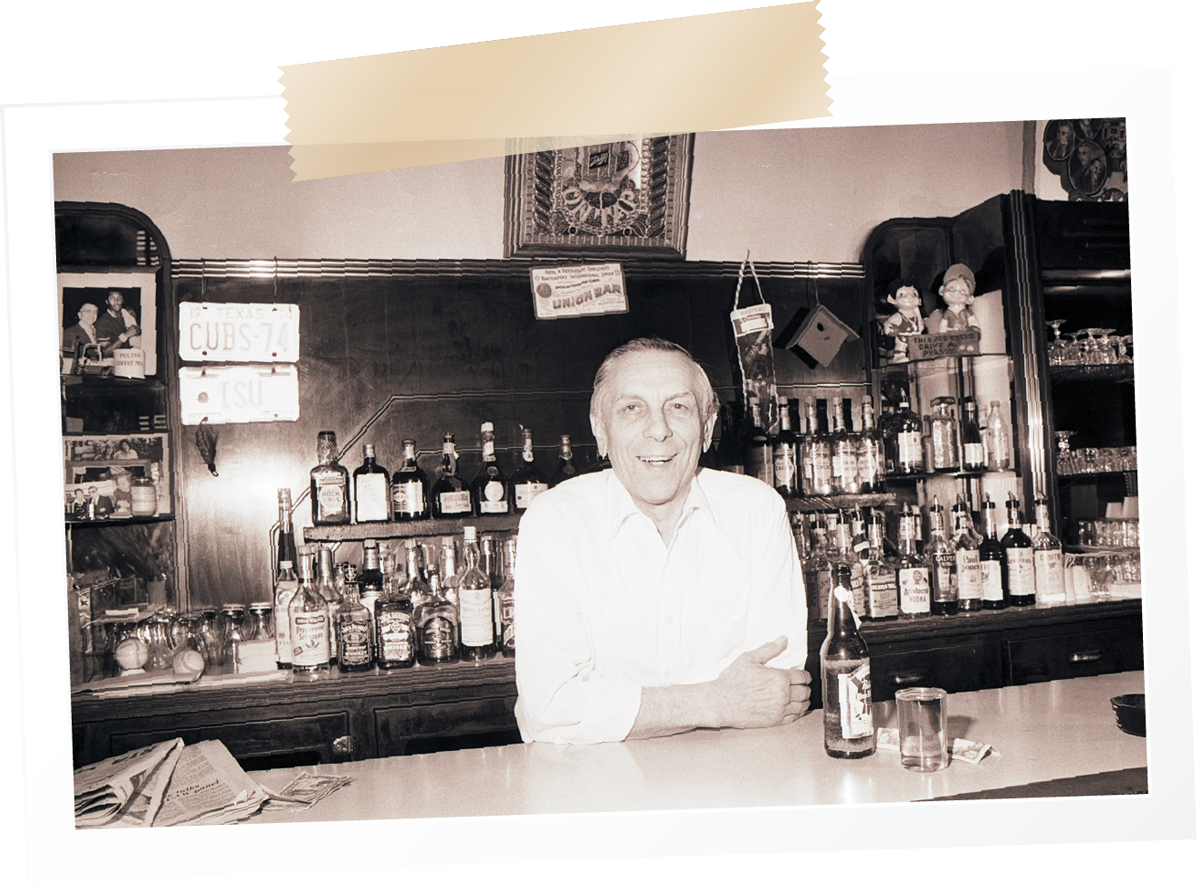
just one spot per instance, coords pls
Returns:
(618, 199)
(97, 309)
(121, 476)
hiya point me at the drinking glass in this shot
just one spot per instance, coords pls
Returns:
(921, 714)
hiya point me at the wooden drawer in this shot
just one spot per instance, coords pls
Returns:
(962, 667)
(399, 730)
(1105, 651)
(258, 744)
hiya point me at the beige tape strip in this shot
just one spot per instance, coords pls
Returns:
(702, 73)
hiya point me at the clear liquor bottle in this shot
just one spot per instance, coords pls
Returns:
(566, 467)
(817, 570)
(372, 490)
(528, 480)
(846, 677)
(451, 496)
(870, 452)
(286, 587)
(477, 630)
(844, 452)
(410, 487)
(449, 569)
(308, 616)
(506, 636)
(786, 454)
(329, 484)
(355, 645)
(323, 556)
(843, 553)
(910, 454)
(998, 456)
(974, 457)
(991, 561)
(943, 564)
(1048, 564)
(943, 433)
(882, 600)
(490, 486)
(966, 560)
(395, 638)
(417, 585)
(437, 626)
(912, 571)
(818, 456)
(1020, 583)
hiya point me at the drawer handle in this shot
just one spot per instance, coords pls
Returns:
(907, 678)
(342, 746)
(1087, 655)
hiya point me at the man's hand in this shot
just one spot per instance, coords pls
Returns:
(752, 696)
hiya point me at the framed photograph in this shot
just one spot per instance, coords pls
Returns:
(117, 476)
(619, 199)
(97, 310)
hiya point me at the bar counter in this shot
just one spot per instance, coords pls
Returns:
(1059, 732)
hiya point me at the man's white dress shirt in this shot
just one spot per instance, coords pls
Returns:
(604, 608)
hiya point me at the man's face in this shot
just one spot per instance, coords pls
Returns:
(956, 292)
(88, 313)
(115, 301)
(649, 423)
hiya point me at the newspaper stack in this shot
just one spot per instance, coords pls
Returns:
(166, 785)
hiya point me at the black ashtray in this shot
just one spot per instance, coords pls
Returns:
(1131, 713)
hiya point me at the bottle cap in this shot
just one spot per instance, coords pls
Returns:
(486, 427)
(468, 534)
(368, 450)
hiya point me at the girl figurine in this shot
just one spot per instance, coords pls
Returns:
(958, 290)
(907, 320)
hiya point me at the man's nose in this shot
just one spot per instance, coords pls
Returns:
(657, 426)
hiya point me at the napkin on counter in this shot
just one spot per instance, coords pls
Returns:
(961, 748)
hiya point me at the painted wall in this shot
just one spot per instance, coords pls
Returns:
(784, 194)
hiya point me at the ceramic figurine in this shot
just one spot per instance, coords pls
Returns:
(907, 321)
(958, 291)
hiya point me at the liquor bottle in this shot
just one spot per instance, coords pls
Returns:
(477, 630)
(943, 568)
(370, 579)
(870, 452)
(882, 600)
(758, 448)
(729, 453)
(329, 484)
(817, 466)
(966, 560)
(437, 625)
(910, 455)
(1048, 565)
(355, 643)
(846, 677)
(395, 639)
(997, 439)
(285, 546)
(912, 572)
(410, 487)
(991, 561)
(372, 490)
(843, 553)
(506, 635)
(566, 467)
(887, 433)
(490, 487)
(943, 434)
(786, 454)
(527, 481)
(450, 496)
(417, 585)
(1017, 571)
(325, 586)
(860, 540)
(974, 457)
(308, 616)
(844, 453)
(286, 587)
(817, 570)
(449, 569)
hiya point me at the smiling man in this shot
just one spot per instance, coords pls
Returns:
(656, 597)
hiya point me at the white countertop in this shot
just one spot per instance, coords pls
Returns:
(1044, 731)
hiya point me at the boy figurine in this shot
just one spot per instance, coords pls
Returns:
(907, 320)
(958, 290)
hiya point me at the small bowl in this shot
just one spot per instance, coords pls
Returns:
(1131, 713)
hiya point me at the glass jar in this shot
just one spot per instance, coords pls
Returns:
(230, 632)
(144, 498)
(943, 432)
(259, 624)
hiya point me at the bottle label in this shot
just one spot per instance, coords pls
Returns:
(508, 628)
(969, 576)
(371, 497)
(1050, 574)
(395, 635)
(909, 454)
(475, 617)
(331, 496)
(869, 462)
(822, 466)
(914, 590)
(283, 628)
(526, 493)
(1020, 572)
(845, 464)
(990, 585)
(882, 601)
(785, 466)
(354, 642)
(854, 700)
(973, 454)
(438, 638)
(945, 577)
(408, 498)
(493, 506)
(821, 580)
(310, 638)
(455, 502)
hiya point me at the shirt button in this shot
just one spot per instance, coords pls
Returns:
(668, 620)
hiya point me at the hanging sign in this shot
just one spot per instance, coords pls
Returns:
(572, 291)
(240, 393)
(239, 332)
(926, 346)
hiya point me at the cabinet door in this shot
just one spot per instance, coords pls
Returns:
(258, 744)
(961, 667)
(1104, 651)
(476, 723)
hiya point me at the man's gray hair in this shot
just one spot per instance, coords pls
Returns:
(709, 403)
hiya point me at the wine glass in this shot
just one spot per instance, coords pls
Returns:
(1106, 352)
(1065, 459)
(1055, 349)
(1090, 346)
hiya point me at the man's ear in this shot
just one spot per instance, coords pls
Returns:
(601, 438)
(710, 424)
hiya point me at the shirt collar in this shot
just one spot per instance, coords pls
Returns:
(621, 506)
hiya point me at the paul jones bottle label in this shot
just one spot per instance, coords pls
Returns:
(1021, 572)
(395, 636)
(310, 643)
(854, 697)
(969, 575)
(990, 585)
(456, 502)
(914, 590)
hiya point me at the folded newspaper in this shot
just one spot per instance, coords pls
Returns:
(166, 785)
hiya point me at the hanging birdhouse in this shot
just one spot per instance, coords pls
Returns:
(819, 337)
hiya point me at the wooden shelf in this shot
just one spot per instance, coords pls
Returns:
(406, 529)
(849, 500)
